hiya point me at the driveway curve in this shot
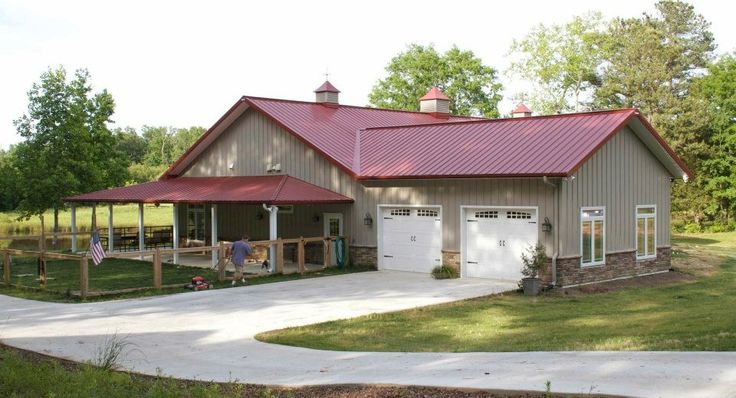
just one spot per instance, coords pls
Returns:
(209, 336)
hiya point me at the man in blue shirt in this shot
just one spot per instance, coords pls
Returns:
(241, 250)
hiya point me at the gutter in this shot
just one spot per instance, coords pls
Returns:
(555, 227)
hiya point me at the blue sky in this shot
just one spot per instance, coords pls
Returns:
(180, 64)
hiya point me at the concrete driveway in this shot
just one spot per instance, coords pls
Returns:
(209, 336)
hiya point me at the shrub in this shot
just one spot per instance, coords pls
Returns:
(444, 272)
(534, 259)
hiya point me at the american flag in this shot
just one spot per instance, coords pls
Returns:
(98, 253)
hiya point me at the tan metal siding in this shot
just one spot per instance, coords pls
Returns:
(620, 176)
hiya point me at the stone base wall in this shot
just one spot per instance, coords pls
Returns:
(451, 258)
(569, 271)
(364, 255)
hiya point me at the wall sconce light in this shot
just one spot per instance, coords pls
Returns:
(259, 216)
(546, 226)
(368, 220)
(315, 217)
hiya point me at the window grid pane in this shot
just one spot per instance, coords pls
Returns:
(598, 240)
(587, 235)
(640, 237)
(650, 236)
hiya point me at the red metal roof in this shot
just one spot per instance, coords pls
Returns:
(274, 189)
(333, 131)
(434, 93)
(533, 146)
(369, 143)
(327, 87)
(521, 108)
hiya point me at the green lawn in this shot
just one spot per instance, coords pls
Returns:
(695, 315)
(116, 274)
(124, 216)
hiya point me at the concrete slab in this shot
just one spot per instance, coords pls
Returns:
(209, 336)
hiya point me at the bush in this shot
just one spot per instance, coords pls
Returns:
(444, 272)
(534, 259)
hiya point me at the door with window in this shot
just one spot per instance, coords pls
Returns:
(592, 236)
(646, 232)
(196, 222)
(333, 226)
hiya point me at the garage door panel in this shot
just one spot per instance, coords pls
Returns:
(411, 239)
(494, 242)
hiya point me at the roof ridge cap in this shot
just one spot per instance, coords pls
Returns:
(350, 106)
(505, 119)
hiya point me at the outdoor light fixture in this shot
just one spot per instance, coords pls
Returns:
(368, 220)
(315, 217)
(259, 216)
(546, 226)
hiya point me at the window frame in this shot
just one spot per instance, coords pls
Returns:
(592, 262)
(645, 217)
(200, 211)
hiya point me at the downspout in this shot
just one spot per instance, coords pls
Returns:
(272, 234)
(555, 228)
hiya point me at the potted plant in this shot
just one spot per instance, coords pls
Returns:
(534, 261)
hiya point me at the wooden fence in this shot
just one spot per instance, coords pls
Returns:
(157, 253)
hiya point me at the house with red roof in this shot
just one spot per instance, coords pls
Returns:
(414, 190)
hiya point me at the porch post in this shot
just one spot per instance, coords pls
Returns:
(141, 230)
(73, 209)
(176, 233)
(213, 239)
(273, 234)
(110, 233)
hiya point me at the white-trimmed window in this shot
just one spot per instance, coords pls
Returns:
(646, 231)
(195, 222)
(592, 236)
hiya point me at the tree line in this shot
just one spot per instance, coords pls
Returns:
(662, 63)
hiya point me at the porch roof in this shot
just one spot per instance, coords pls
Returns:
(270, 190)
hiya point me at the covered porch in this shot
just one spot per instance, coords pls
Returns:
(211, 210)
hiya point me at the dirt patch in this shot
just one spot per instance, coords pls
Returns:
(695, 261)
(656, 280)
(322, 391)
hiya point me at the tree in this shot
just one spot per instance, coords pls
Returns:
(472, 87)
(129, 143)
(67, 148)
(9, 196)
(718, 88)
(651, 63)
(184, 138)
(561, 62)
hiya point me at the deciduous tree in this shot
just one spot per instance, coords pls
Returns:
(472, 87)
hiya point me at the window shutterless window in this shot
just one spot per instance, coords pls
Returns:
(646, 231)
(195, 222)
(592, 236)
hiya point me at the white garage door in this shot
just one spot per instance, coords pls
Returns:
(411, 238)
(495, 240)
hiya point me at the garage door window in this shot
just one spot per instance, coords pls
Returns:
(592, 235)
(646, 222)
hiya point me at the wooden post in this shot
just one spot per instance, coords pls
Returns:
(279, 266)
(326, 251)
(83, 277)
(6, 268)
(157, 268)
(221, 264)
(300, 255)
(73, 214)
(41, 257)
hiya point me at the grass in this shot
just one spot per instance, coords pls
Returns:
(694, 315)
(124, 216)
(116, 274)
(25, 374)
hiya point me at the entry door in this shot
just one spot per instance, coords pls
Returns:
(411, 239)
(333, 227)
(495, 240)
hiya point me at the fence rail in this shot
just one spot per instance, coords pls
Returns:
(221, 249)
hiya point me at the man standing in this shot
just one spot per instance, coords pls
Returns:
(241, 250)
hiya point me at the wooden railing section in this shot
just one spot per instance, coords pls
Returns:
(157, 253)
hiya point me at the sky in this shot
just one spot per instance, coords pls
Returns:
(181, 64)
